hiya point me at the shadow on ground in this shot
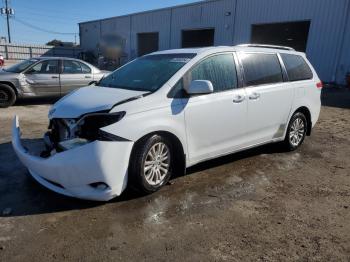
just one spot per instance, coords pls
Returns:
(36, 101)
(24, 196)
(336, 97)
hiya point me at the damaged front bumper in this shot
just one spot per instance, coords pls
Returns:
(80, 171)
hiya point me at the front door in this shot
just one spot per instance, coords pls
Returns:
(215, 122)
(74, 75)
(43, 78)
(269, 98)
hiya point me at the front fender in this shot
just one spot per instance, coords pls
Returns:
(169, 118)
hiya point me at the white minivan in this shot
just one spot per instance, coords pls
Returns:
(169, 110)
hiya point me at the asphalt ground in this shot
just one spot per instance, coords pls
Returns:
(263, 204)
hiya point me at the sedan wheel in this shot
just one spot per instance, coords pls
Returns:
(7, 96)
(4, 97)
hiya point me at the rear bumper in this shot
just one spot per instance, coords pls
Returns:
(73, 171)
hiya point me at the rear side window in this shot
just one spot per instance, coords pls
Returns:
(261, 69)
(219, 69)
(85, 68)
(71, 67)
(297, 68)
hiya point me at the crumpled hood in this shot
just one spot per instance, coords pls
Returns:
(90, 99)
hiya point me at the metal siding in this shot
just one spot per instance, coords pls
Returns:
(343, 65)
(184, 18)
(119, 26)
(327, 20)
(157, 21)
(209, 14)
(326, 44)
(90, 35)
(213, 15)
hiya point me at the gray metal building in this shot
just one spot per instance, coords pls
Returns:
(321, 28)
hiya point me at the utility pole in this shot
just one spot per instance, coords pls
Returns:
(8, 21)
(8, 11)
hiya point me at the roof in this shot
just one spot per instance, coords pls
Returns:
(226, 48)
(54, 57)
(183, 51)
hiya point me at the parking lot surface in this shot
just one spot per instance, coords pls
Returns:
(261, 205)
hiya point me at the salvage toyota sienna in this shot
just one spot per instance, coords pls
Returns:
(166, 111)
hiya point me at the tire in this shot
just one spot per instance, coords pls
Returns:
(296, 131)
(147, 173)
(7, 96)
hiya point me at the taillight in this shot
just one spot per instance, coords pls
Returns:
(319, 85)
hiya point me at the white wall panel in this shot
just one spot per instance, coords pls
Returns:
(327, 23)
(327, 48)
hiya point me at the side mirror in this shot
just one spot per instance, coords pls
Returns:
(200, 87)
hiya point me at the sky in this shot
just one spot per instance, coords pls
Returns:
(35, 21)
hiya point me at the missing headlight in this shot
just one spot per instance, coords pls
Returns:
(90, 125)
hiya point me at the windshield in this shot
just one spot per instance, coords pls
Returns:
(147, 73)
(18, 68)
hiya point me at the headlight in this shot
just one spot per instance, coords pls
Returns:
(90, 124)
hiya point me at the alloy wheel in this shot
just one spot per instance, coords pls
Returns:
(297, 132)
(157, 163)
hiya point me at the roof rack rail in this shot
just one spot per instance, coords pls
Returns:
(269, 46)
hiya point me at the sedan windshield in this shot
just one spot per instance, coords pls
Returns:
(18, 68)
(147, 73)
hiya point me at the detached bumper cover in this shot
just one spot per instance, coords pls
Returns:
(71, 172)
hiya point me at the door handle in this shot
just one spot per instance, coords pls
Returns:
(87, 76)
(254, 96)
(54, 76)
(238, 99)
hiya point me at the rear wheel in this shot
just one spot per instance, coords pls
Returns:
(7, 96)
(151, 163)
(296, 131)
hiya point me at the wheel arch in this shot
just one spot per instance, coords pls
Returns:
(10, 84)
(179, 154)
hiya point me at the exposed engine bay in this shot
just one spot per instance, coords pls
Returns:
(65, 134)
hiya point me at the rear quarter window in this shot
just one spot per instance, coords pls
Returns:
(297, 68)
(261, 68)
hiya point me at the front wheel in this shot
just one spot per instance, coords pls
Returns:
(296, 131)
(7, 96)
(151, 163)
